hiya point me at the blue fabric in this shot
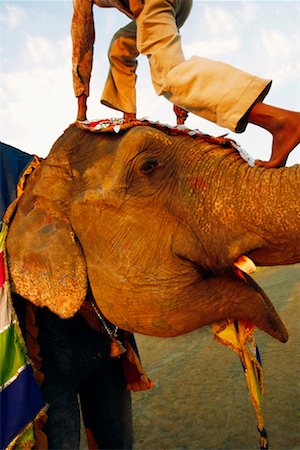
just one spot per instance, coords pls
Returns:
(21, 401)
(13, 162)
(13, 416)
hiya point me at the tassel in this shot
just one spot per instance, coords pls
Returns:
(264, 444)
(116, 348)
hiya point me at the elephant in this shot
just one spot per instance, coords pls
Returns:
(152, 221)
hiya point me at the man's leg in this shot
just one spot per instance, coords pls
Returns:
(211, 89)
(59, 385)
(106, 406)
(283, 125)
(158, 38)
(81, 107)
(119, 91)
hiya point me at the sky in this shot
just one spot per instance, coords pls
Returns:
(37, 100)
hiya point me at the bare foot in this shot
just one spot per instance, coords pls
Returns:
(129, 116)
(284, 126)
(82, 108)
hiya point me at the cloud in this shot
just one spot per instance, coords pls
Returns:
(212, 47)
(248, 12)
(37, 105)
(13, 16)
(39, 49)
(43, 51)
(219, 19)
(281, 61)
(285, 73)
(276, 44)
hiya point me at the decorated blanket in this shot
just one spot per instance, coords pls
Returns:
(21, 402)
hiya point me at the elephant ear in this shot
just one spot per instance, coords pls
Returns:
(45, 261)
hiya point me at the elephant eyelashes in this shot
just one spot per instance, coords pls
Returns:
(149, 166)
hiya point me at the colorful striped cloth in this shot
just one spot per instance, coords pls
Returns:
(20, 398)
(239, 336)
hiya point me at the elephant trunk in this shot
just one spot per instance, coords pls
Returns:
(272, 211)
(235, 209)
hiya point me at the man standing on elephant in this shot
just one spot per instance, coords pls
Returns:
(213, 90)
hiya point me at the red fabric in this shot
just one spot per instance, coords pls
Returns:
(132, 375)
(120, 125)
(2, 270)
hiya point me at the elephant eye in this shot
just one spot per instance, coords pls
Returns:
(149, 166)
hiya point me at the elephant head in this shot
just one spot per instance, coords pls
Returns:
(153, 223)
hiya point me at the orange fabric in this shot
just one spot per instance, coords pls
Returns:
(135, 375)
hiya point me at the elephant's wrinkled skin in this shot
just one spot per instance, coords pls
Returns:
(153, 223)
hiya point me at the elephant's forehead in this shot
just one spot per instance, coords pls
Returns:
(140, 137)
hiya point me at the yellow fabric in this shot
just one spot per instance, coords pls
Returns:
(31, 167)
(239, 337)
(27, 439)
(144, 382)
(3, 234)
(119, 91)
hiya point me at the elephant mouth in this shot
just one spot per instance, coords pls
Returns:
(265, 257)
(233, 295)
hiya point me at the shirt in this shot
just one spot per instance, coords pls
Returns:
(122, 5)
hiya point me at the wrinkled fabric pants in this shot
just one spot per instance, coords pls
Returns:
(213, 90)
(76, 362)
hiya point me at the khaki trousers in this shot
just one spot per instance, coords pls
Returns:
(213, 90)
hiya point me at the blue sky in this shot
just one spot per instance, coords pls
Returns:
(37, 101)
